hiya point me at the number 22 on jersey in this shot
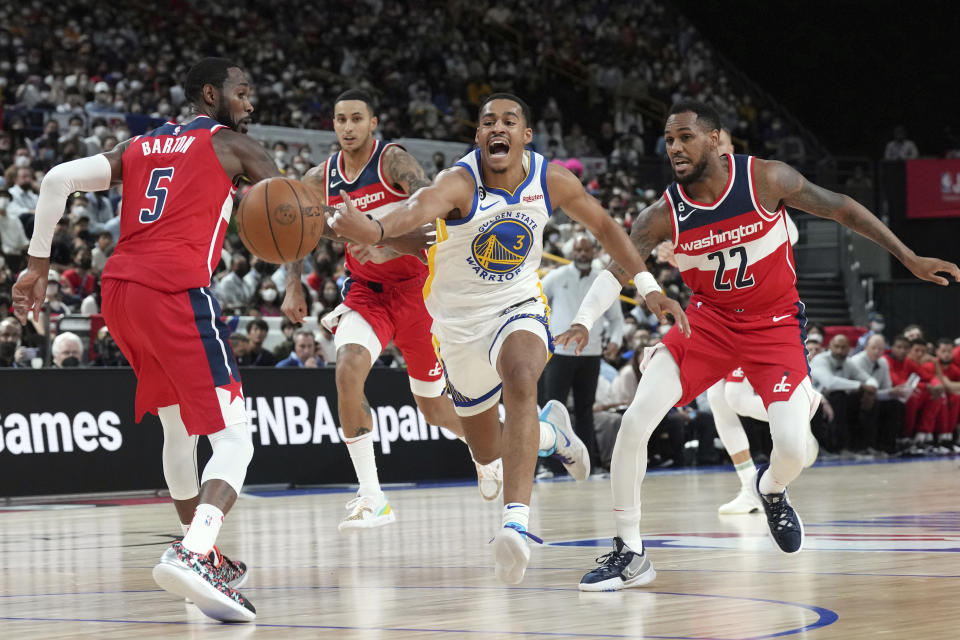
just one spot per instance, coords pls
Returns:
(158, 193)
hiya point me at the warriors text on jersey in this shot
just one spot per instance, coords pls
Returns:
(734, 254)
(371, 194)
(487, 261)
(177, 203)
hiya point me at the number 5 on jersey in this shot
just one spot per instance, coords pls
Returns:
(158, 193)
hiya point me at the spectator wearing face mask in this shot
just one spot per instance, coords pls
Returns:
(108, 353)
(102, 99)
(80, 278)
(13, 238)
(235, 289)
(67, 351)
(266, 302)
(23, 193)
(101, 251)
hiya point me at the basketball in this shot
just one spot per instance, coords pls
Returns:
(280, 220)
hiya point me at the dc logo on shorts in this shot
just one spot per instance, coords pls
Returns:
(503, 247)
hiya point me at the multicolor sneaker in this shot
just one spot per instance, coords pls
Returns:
(367, 512)
(786, 528)
(569, 449)
(511, 552)
(745, 502)
(620, 569)
(490, 479)
(233, 572)
(192, 575)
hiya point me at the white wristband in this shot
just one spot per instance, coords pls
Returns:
(646, 283)
(603, 293)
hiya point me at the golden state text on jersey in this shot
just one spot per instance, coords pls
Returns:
(733, 253)
(488, 260)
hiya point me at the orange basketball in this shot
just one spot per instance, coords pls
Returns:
(280, 220)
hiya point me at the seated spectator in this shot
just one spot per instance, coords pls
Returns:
(257, 356)
(946, 372)
(304, 352)
(11, 352)
(905, 360)
(266, 301)
(101, 251)
(67, 351)
(81, 280)
(847, 390)
(108, 353)
(900, 148)
(240, 344)
(235, 289)
(882, 423)
(13, 238)
(287, 327)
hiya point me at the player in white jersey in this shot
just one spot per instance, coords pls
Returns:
(489, 313)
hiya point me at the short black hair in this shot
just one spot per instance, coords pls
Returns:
(362, 95)
(706, 115)
(901, 338)
(524, 107)
(207, 71)
(946, 341)
(259, 323)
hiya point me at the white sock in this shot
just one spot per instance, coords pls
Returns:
(516, 512)
(365, 464)
(202, 535)
(628, 527)
(747, 473)
(548, 436)
(184, 528)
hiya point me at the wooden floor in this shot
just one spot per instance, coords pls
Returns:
(881, 561)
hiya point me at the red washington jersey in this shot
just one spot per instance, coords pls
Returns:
(734, 254)
(177, 203)
(372, 194)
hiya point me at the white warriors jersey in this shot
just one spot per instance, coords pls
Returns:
(486, 262)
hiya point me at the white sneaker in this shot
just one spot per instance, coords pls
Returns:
(745, 502)
(569, 449)
(490, 479)
(813, 450)
(511, 555)
(367, 512)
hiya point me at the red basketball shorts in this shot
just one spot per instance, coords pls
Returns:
(179, 349)
(768, 348)
(398, 314)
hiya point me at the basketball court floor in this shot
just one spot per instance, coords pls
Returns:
(880, 561)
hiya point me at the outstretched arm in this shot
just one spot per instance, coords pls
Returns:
(95, 173)
(781, 184)
(453, 189)
(651, 227)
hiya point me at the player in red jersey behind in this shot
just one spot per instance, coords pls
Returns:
(725, 218)
(383, 301)
(178, 184)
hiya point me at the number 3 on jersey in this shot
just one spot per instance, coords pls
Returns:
(740, 281)
(158, 193)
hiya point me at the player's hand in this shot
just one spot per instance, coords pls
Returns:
(927, 268)
(294, 304)
(577, 335)
(348, 222)
(662, 306)
(365, 253)
(611, 350)
(30, 290)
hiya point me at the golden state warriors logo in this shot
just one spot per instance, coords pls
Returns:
(503, 246)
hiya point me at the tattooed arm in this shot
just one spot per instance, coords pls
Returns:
(402, 170)
(779, 184)
(651, 227)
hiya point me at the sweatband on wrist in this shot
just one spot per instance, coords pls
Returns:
(646, 283)
(603, 293)
(84, 174)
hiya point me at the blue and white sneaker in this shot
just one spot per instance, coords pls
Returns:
(569, 449)
(784, 522)
(511, 553)
(622, 568)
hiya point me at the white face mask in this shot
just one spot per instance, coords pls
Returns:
(268, 295)
(52, 290)
(100, 131)
(280, 155)
(78, 209)
(22, 161)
